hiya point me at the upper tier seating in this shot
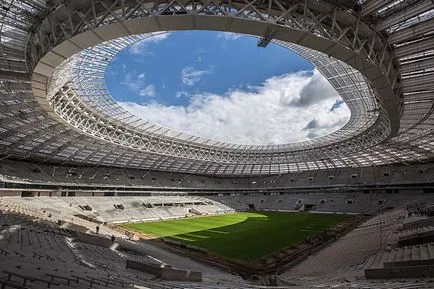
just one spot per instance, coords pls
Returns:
(356, 202)
(130, 209)
(19, 172)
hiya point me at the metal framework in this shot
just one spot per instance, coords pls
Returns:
(84, 102)
(381, 64)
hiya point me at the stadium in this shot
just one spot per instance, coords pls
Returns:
(95, 196)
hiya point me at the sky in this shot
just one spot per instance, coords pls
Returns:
(222, 86)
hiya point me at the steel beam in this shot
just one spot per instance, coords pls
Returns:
(421, 64)
(27, 96)
(371, 6)
(411, 32)
(419, 96)
(14, 76)
(14, 107)
(418, 83)
(415, 48)
(11, 53)
(405, 14)
(341, 27)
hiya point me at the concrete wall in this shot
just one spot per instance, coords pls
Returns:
(94, 240)
(417, 238)
(75, 227)
(166, 272)
(180, 275)
(418, 224)
(400, 272)
(428, 262)
(148, 268)
(10, 193)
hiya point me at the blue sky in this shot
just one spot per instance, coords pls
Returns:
(222, 86)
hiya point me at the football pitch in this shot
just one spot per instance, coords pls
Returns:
(244, 236)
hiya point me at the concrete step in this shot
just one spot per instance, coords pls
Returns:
(400, 254)
(407, 254)
(377, 262)
(384, 258)
(392, 255)
(369, 263)
(13, 238)
(35, 238)
(431, 250)
(424, 254)
(415, 252)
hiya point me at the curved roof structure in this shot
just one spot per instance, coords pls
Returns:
(55, 106)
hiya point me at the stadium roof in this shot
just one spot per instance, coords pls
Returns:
(55, 107)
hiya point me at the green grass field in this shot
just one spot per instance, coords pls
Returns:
(243, 236)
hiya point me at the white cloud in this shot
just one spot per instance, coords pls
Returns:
(141, 47)
(182, 93)
(228, 36)
(199, 54)
(268, 114)
(190, 76)
(137, 84)
(148, 91)
(316, 90)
